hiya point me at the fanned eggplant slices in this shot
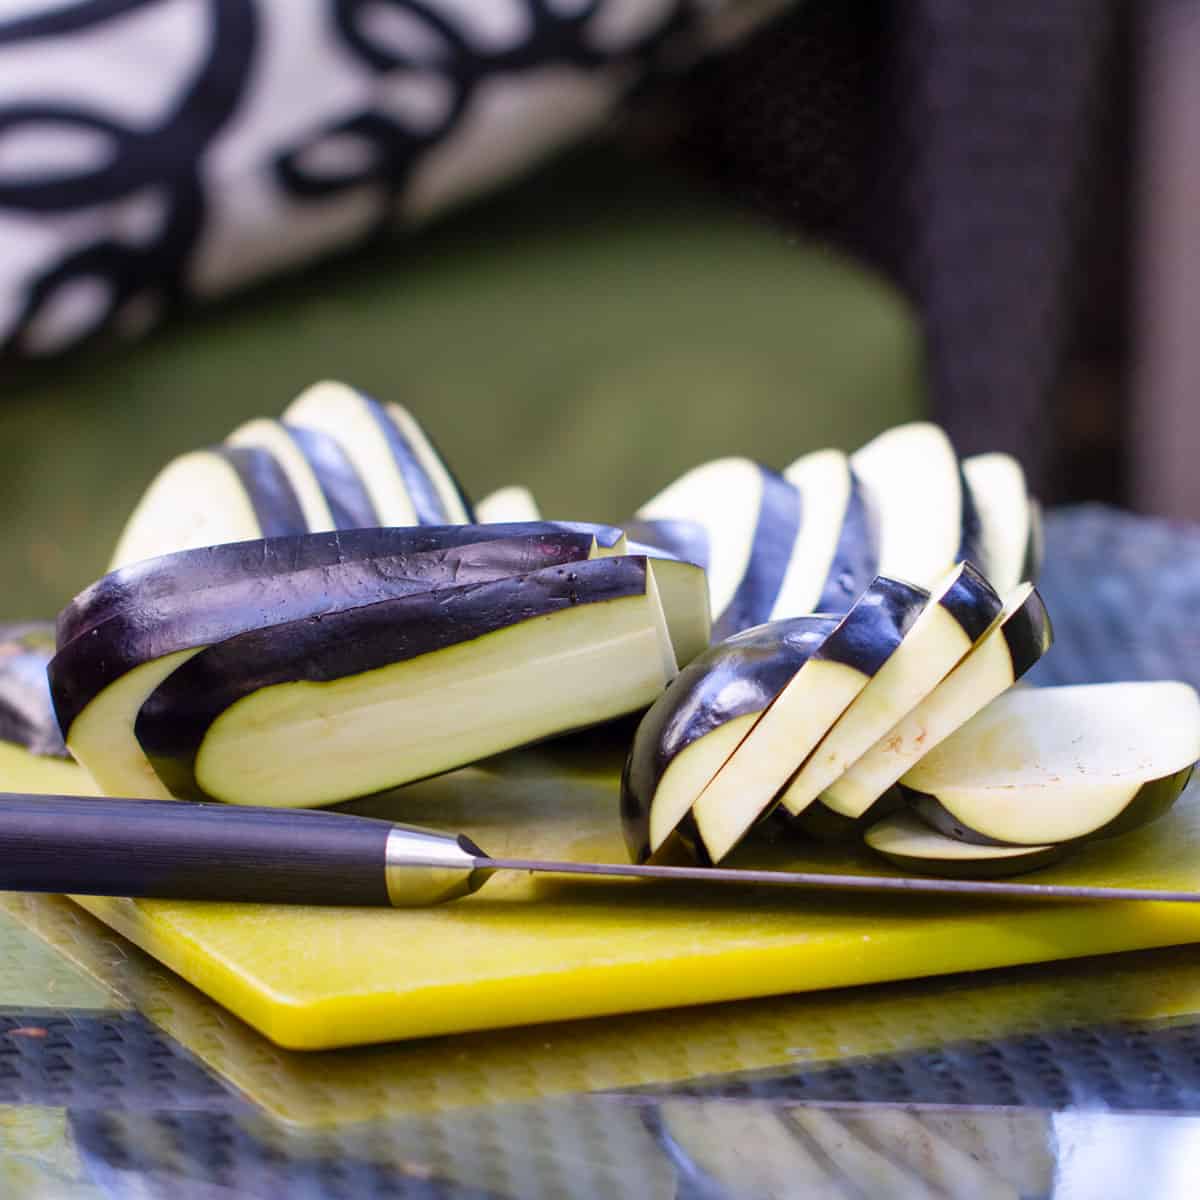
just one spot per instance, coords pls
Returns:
(313, 611)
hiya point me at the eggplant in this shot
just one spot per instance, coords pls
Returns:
(343, 704)
(911, 845)
(683, 589)
(1016, 640)
(837, 550)
(853, 654)
(697, 722)
(513, 503)
(913, 488)
(130, 630)
(206, 497)
(1059, 764)
(751, 517)
(962, 608)
(997, 484)
(26, 712)
(329, 489)
(404, 475)
(683, 539)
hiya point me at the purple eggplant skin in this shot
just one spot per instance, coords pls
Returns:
(770, 552)
(176, 716)
(26, 712)
(199, 597)
(740, 675)
(856, 558)
(274, 500)
(686, 540)
(349, 503)
(190, 571)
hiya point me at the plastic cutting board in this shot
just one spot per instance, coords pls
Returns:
(524, 950)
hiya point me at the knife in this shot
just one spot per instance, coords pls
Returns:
(175, 850)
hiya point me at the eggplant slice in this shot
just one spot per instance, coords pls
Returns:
(837, 551)
(160, 613)
(996, 482)
(911, 845)
(912, 485)
(405, 477)
(340, 705)
(26, 711)
(695, 724)
(512, 503)
(207, 497)
(837, 671)
(961, 610)
(1058, 764)
(751, 517)
(1017, 639)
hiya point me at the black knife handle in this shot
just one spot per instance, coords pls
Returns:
(179, 850)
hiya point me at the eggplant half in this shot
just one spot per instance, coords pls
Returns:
(343, 704)
(911, 845)
(837, 551)
(693, 727)
(26, 712)
(854, 653)
(750, 517)
(329, 489)
(1057, 764)
(1017, 639)
(962, 608)
(207, 497)
(506, 504)
(913, 487)
(130, 630)
(404, 475)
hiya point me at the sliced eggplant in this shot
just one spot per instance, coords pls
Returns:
(913, 489)
(134, 627)
(405, 477)
(751, 517)
(961, 610)
(996, 482)
(684, 539)
(781, 739)
(836, 553)
(340, 705)
(26, 712)
(1056, 764)
(695, 724)
(911, 845)
(330, 491)
(1015, 641)
(513, 503)
(222, 494)
(683, 589)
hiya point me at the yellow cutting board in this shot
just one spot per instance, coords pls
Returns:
(525, 950)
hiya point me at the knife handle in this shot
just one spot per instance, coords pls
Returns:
(179, 850)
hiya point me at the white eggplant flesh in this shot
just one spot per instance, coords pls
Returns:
(683, 589)
(997, 485)
(908, 843)
(751, 517)
(207, 498)
(506, 505)
(800, 715)
(913, 488)
(1056, 764)
(836, 552)
(1015, 641)
(960, 611)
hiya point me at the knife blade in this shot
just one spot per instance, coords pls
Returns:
(179, 850)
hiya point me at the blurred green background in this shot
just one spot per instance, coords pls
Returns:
(591, 332)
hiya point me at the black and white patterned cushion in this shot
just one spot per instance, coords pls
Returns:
(153, 151)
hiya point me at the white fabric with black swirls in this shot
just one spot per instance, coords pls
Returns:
(153, 151)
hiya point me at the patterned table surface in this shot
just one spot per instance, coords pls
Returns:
(1068, 1080)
